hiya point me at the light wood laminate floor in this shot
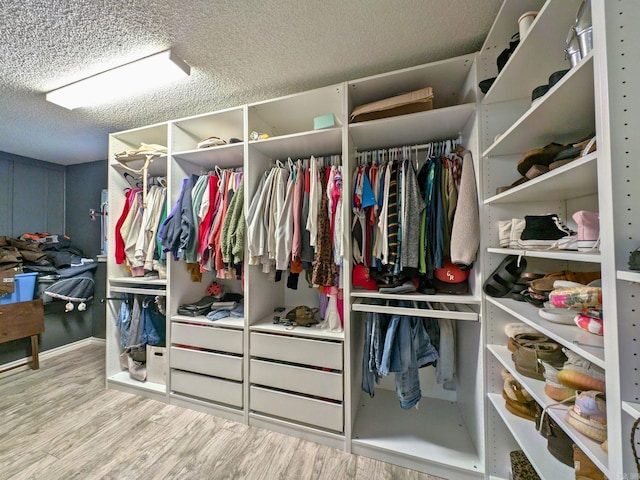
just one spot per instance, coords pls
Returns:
(60, 422)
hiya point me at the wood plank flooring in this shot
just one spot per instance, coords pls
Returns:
(60, 422)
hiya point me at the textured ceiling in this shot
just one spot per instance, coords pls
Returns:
(240, 51)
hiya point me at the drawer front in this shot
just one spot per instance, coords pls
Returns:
(207, 363)
(297, 350)
(212, 338)
(297, 379)
(208, 388)
(300, 409)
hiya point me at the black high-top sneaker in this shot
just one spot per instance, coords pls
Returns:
(547, 232)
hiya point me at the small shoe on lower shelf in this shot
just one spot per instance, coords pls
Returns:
(584, 466)
(526, 357)
(588, 415)
(517, 400)
(552, 386)
(580, 374)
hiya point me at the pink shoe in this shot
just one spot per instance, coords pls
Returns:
(591, 325)
(588, 229)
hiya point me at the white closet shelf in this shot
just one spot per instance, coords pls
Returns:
(229, 322)
(533, 444)
(576, 179)
(301, 145)
(568, 255)
(564, 114)
(266, 325)
(417, 297)
(629, 276)
(421, 308)
(557, 412)
(157, 133)
(632, 408)
(585, 344)
(225, 156)
(412, 129)
(156, 168)
(538, 55)
(123, 378)
(141, 281)
(435, 432)
(139, 291)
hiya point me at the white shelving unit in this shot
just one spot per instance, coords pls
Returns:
(579, 104)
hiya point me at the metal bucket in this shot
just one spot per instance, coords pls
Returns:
(585, 40)
(572, 50)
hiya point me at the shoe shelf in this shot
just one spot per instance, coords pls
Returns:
(532, 443)
(566, 113)
(538, 55)
(568, 255)
(585, 344)
(556, 411)
(228, 322)
(225, 156)
(629, 276)
(632, 408)
(266, 325)
(576, 179)
(421, 308)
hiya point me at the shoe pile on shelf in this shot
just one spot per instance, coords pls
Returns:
(538, 161)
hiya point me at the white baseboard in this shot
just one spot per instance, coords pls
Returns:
(54, 352)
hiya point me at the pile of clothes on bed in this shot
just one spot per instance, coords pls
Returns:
(64, 272)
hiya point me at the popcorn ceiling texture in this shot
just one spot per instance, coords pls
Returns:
(240, 51)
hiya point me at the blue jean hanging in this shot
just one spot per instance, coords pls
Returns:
(123, 321)
(153, 324)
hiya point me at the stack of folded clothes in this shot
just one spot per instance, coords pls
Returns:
(215, 308)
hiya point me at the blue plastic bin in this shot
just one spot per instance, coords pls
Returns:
(25, 287)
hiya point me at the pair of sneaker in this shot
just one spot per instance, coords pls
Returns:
(541, 232)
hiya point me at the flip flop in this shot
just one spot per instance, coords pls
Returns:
(502, 279)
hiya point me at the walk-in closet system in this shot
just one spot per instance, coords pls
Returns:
(306, 382)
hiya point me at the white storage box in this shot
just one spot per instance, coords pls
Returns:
(156, 364)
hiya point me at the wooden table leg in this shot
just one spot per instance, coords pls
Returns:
(35, 362)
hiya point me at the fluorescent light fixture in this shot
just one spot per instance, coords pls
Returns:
(126, 80)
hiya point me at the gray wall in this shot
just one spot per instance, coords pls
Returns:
(37, 196)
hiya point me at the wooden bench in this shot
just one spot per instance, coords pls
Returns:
(21, 320)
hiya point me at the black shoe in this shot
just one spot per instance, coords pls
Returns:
(547, 232)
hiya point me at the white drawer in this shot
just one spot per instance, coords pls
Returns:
(297, 379)
(212, 338)
(208, 388)
(293, 407)
(216, 364)
(297, 350)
